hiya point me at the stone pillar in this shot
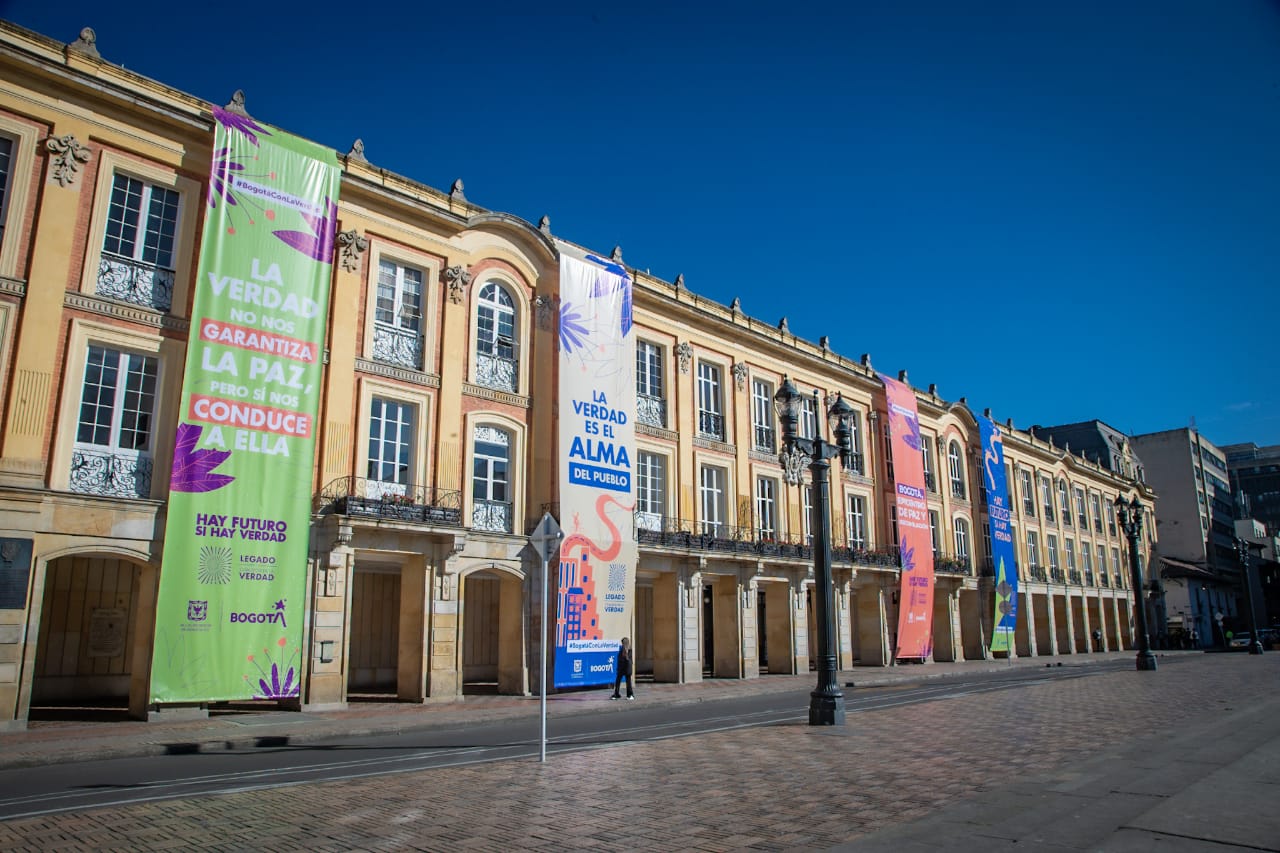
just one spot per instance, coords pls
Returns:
(330, 642)
(691, 628)
(750, 641)
(800, 627)
(443, 677)
(844, 622)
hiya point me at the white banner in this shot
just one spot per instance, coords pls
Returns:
(597, 583)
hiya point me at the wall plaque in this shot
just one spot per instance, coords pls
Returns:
(15, 572)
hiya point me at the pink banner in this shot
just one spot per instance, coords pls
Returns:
(915, 601)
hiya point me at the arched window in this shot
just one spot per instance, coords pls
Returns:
(491, 480)
(955, 462)
(962, 539)
(496, 352)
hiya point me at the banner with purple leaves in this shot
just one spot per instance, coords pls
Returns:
(233, 579)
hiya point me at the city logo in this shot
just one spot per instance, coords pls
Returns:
(577, 666)
(274, 618)
(197, 611)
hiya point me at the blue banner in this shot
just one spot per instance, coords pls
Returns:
(1002, 554)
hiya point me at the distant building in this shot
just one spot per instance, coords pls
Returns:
(1255, 471)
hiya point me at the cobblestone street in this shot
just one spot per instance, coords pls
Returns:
(781, 787)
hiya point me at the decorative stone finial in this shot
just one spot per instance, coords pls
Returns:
(964, 401)
(1009, 423)
(865, 361)
(616, 255)
(902, 377)
(825, 342)
(784, 327)
(544, 225)
(86, 44)
(986, 413)
(679, 281)
(933, 388)
(736, 305)
(236, 104)
(455, 192)
(357, 151)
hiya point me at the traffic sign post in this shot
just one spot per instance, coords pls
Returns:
(545, 539)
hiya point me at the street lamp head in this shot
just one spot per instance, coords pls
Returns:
(787, 404)
(840, 416)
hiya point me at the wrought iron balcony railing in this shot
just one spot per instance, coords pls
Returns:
(1037, 573)
(402, 347)
(1074, 577)
(654, 530)
(952, 565)
(497, 372)
(711, 425)
(1104, 579)
(110, 473)
(360, 497)
(1088, 578)
(930, 481)
(858, 463)
(1057, 576)
(1029, 509)
(957, 489)
(651, 410)
(491, 516)
(763, 439)
(135, 281)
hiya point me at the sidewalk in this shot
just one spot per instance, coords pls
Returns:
(61, 742)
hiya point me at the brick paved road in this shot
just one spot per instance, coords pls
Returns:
(743, 789)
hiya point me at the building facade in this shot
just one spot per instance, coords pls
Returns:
(436, 440)
(1255, 474)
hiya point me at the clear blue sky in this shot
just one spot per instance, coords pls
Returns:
(1061, 210)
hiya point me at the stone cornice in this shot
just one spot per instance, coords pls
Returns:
(390, 371)
(657, 432)
(717, 446)
(125, 311)
(497, 396)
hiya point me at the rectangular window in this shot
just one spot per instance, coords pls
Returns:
(933, 532)
(808, 418)
(1033, 549)
(762, 416)
(651, 490)
(137, 263)
(1115, 566)
(893, 524)
(1095, 503)
(710, 411)
(857, 522)
(1063, 503)
(1046, 499)
(955, 464)
(962, 539)
(1052, 544)
(1111, 517)
(713, 500)
(1086, 558)
(766, 508)
(651, 401)
(1069, 546)
(399, 296)
(1028, 494)
(6, 170)
(1102, 558)
(391, 429)
(888, 456)
(113, 448)
(1082, 519)
(926, 457)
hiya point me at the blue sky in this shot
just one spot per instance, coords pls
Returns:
(1061, 210)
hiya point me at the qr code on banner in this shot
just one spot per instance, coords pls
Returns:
(617, 577)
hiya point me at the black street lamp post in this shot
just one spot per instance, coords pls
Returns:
(1131, 521)
(826, 702)
(1242, 554)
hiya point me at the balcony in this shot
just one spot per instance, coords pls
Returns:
(1104, 579)
(857, 463)
(957, 489)
(1029, 509)
(401, 347)
(930, 482)
(1056, 575)
(491, 516)
(952, 565)
(711, 425)
(651, 411)
(1097, 525)
(1073, 577)
(498, 372)
(360, 497)
(1037, 573)
(110, 473)
(663, 532)
(134, 281)
(762, 439)
(1088, 578)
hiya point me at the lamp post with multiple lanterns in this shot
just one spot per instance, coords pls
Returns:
(826, 702)
(1243, 547)
(1130, 513)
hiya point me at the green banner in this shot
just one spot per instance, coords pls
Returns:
(233, 581)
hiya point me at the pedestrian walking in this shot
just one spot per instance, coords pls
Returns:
(626, 663)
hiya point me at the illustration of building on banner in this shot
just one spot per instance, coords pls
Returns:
(1002, 551)
(596, 443)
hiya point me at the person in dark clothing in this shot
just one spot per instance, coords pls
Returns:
(626, 661)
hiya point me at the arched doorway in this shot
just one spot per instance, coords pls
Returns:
(88, 633)
(493, 631)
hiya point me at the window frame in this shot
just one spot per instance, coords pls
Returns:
(856, 520)
(709, 386)
(651, 489)
(955, 468)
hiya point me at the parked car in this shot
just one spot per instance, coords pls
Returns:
(1240, 640)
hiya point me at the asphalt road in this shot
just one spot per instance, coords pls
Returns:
(30, 792)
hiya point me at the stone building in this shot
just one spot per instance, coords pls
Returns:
(440, 373)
